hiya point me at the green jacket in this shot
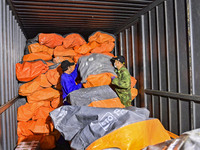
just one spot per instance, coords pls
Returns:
(123, 86)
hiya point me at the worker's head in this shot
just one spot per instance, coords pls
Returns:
(67, 67)
(119, 61)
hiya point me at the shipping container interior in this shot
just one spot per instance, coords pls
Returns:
(159, 39)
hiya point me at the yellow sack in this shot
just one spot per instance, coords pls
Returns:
(133, 137)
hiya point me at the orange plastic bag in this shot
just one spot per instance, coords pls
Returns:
(23, 128)
(58, 52)
(47, 94)
(49, 63)
(78, 56)
(109, 54)
(26, 112)
(133, 81)
(83, 49)
(53, 75)
(27, 71)
(42, 113)
(56, 134)
(28, 88)
(104, 48)
(72, 40)
(50, 40)
(34, 48)
(57, 102)
(35, 137)
(134, 93)
(39, 55)
(101, 37)
(61, 59)
(98, 80)
(42, 81)
(133, 137)
(108, 103)
(94, 44)
(35, 85)
(41, 126)
(47, 142)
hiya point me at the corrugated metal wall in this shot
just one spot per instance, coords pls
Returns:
(12, 42)
(162, 51)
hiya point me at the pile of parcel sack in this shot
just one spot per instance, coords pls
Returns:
(105, 123)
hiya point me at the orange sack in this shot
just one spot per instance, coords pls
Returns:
(47, 142)
(23, 128)
(47, 94)
(42, 80)
(109, 54)
(94, 44)
(42, 113)
(134, 93)
(60, 51)
(101, 37)
(57, 102)
(41, 126)
(34, 48)
(50, 40)
(35, 137)
(30, 70)
(133, 81)
(56, 134)
(98, 80)
(108, 103)
(72, 40)
(26, 112)
(61, 59)
(133, 137)
(53, 75)
(39, 55)
(83, 49)
(28, 88)
(104, 48)
(49, 63)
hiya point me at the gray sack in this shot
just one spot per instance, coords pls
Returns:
(85, 96)
(94, 64)
(83, 125)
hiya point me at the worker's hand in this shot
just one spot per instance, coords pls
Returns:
(113, 77)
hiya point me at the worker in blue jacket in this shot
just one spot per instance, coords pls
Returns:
(70, 72)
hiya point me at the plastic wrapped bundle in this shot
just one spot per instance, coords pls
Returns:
(85, 96)
(94, 64)
(189, 140)
(83, 125)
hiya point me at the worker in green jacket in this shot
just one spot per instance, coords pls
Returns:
(122, 83)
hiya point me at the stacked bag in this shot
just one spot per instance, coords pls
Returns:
(40, 72)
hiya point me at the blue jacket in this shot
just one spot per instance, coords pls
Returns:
(68, 82)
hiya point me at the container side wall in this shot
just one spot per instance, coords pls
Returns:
(12, 41)
(161, 48)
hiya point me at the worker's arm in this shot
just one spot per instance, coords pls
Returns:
(74, 87)
(75, 72)
(123, 82)
(69, 85)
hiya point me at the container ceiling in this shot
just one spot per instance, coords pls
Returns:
(80, 16)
